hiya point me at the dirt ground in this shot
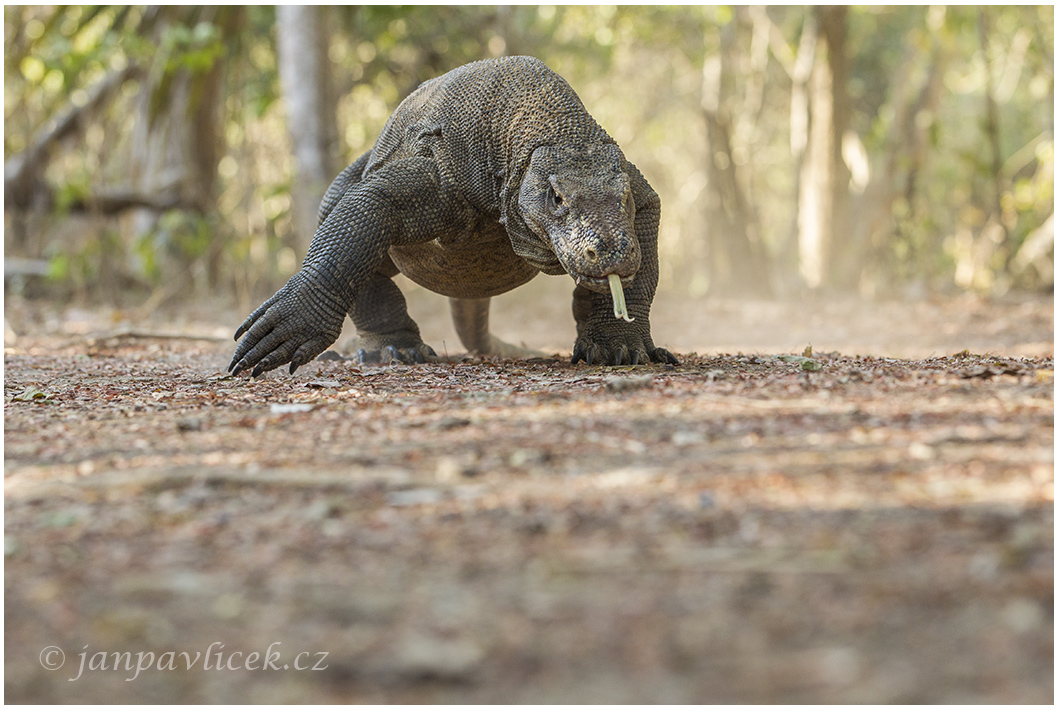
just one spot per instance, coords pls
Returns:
(868, 521)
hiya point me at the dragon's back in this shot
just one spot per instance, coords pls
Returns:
(481, 122)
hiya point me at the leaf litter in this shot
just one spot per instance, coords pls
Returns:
(736, 528)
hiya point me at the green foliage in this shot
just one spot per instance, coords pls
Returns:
(195, 48)
(918, 84)
(76, 190)
(258, 78)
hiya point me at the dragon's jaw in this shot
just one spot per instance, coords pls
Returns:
(614, 284)
(618, 295)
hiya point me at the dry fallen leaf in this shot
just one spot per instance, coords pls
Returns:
(32, 393)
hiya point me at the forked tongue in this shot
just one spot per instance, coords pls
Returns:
(620, 311)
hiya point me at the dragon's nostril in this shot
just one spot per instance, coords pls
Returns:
(591, 256)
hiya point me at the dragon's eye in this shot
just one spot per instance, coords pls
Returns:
(555, 201)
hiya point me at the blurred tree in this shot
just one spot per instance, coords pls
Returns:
(870, 148)
(737, 261)
(843, 263)
(178, 139)
(25, 189)
(823, 204)
(303, 39)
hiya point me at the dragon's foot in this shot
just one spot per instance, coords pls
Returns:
(294, 326)
(403, 346)
(619, 346)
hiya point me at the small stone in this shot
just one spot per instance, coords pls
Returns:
(228, 606)
(422, 656)
(189, 425)
(625, 383)
(124, 624)
(416, 496)
(446, 423)
(983, 566)
(60, 519)
(448, 469)
(290, 408)
(838, 666)
(1024, 536)
(628, 476)
(332, 528)
(749, 528)
(1023, 615)
(323, 384)
(321, 510)
(635, 447)
(920, 451)
(522, 457)
(687, 438)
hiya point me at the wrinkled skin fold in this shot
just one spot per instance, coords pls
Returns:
(480, 179)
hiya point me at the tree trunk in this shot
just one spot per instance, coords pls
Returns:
(737, 262)
(814, 199)
(305, 80)
(843, 269)
(178, 140)
(799, 67)
(823, 203)
(915, 92)
(992, 132)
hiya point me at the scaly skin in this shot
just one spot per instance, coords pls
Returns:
(480, 179)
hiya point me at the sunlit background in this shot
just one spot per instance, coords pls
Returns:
(882, 151)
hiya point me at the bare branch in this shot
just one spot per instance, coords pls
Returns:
(22, 171)
(118, 200)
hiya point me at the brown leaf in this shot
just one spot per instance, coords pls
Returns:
(323, 384)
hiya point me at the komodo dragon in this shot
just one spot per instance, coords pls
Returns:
(481, 178)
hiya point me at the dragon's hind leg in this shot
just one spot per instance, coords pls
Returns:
(386, 333)
(470, 316)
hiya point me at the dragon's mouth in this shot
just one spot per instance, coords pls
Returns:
(612, 283)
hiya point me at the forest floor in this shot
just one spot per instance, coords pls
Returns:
(868, 521)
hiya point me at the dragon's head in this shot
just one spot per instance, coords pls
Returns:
(578, 201)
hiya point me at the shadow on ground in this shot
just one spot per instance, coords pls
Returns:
(869, 521)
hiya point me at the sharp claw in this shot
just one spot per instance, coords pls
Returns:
(293, 367)
(362, 356)
(392, 353)
(417, 357)
(243, 328)
(663, 355)
(636, 358)
(258, 369)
